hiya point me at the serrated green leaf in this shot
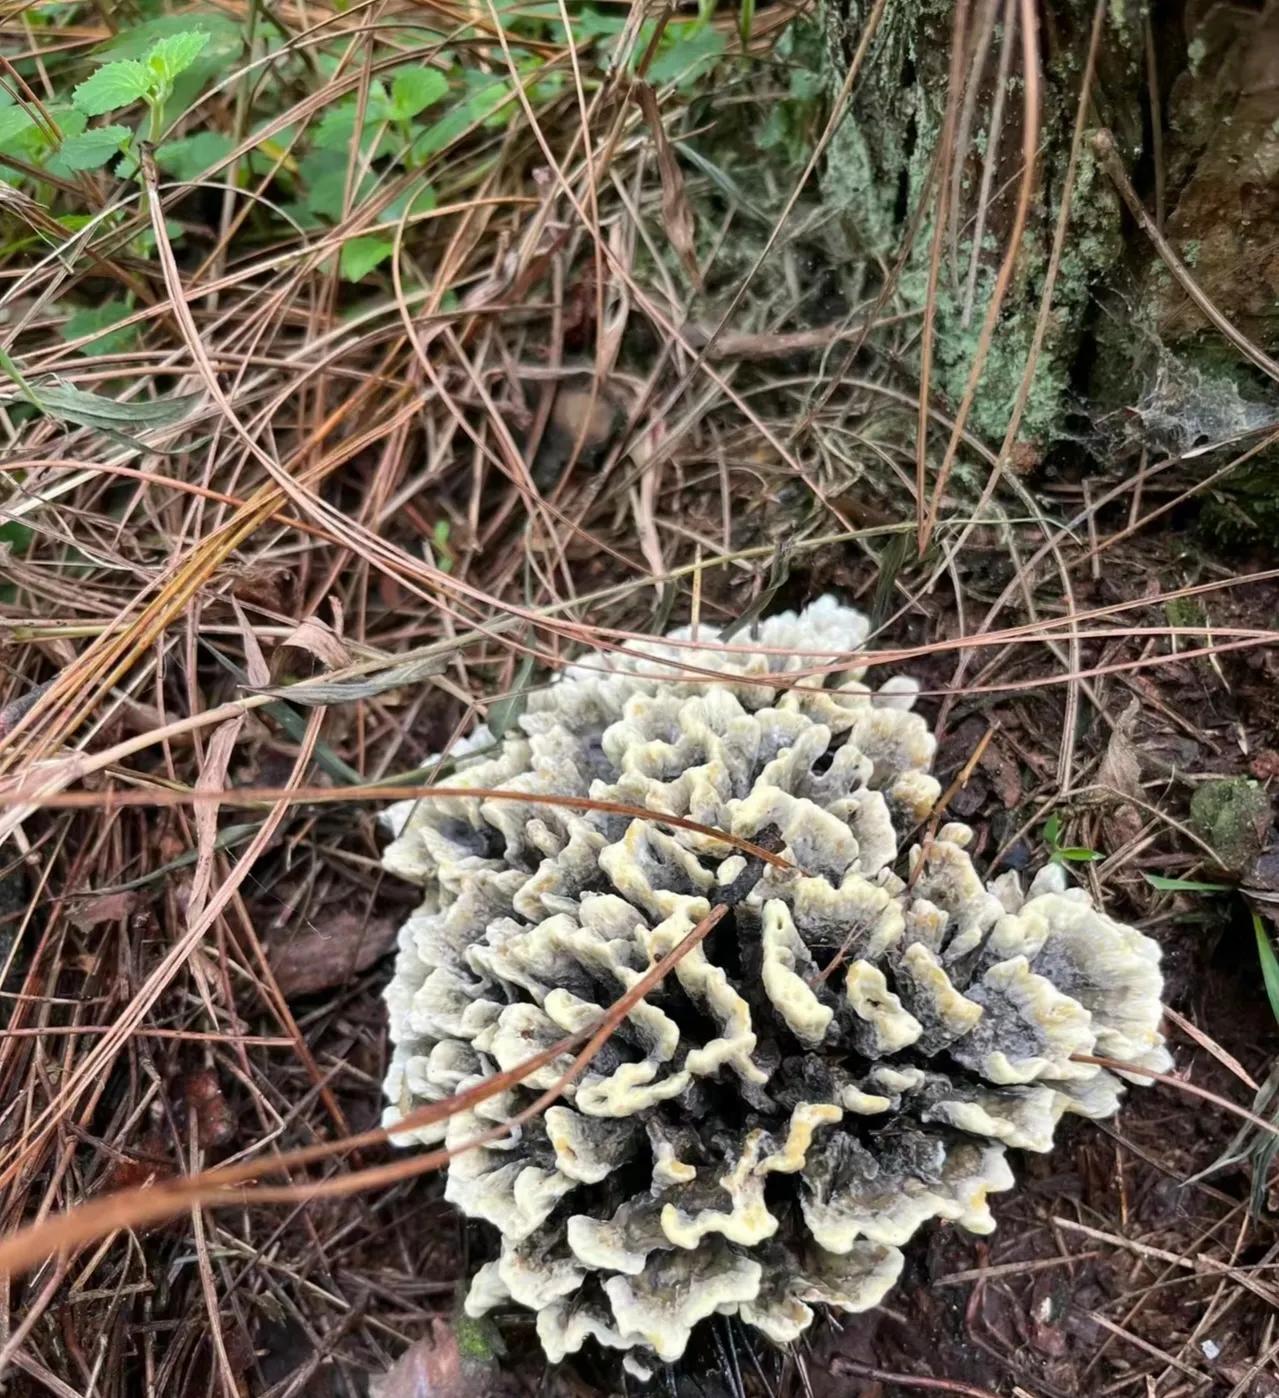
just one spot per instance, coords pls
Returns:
(414, 89)
(335, 129)
(190, 156)
(113, 85)
(487, 103)
(480, 109)
(361, 255)
(175, 53)
(110, 88)
(90, 318)
(14, 121)
(441, 134)
(688, 51)
(1167, 885)
(92, 149)
(324, 179)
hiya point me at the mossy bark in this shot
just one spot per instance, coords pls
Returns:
(1190, 93)
(880, 177)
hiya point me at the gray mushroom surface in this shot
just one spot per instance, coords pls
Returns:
(849, 1054)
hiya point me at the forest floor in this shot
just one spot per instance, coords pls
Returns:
(364, 364)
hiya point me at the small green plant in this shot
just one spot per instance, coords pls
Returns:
(1269, 963)
(1065, 854)
(124, 82)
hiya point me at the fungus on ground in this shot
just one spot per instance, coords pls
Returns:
(848, 1054)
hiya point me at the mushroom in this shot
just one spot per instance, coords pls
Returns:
(848, 1055)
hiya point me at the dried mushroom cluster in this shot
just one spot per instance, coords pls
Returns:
(847, 1055)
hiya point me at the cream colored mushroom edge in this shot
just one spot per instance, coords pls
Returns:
(850, 1053)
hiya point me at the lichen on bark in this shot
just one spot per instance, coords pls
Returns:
(879, 177)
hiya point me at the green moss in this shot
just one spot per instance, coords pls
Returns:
(1232, 816)
(478, 1341)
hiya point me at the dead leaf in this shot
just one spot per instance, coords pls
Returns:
(329, 953)
(318, 638)
(1004, 775)
(1121, 767)
(1120, 770)
(435, 1367)
(217, 758)
(677, 214)
(107, 907)
(255, 665)
(149, 1160)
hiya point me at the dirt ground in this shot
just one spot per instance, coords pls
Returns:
(1138, 1257)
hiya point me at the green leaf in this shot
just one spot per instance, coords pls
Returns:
(93, 148)
(415, 89)
(420, 200)
(688, 51)
(1078, 855)
(190, 156)
(504, 713)
(1167, 885)
(90, 318)
(486, 101)
(174, 54)
(590, 23)
(26, 392)
(137, 40)
(806, 85)
(1052, 830)
(1269, 964)
(335, 129)
(361, 255)
(441, 134)
(113, 85)
(13, 122)
(478, 109)
(324, 179)
(16, 535)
